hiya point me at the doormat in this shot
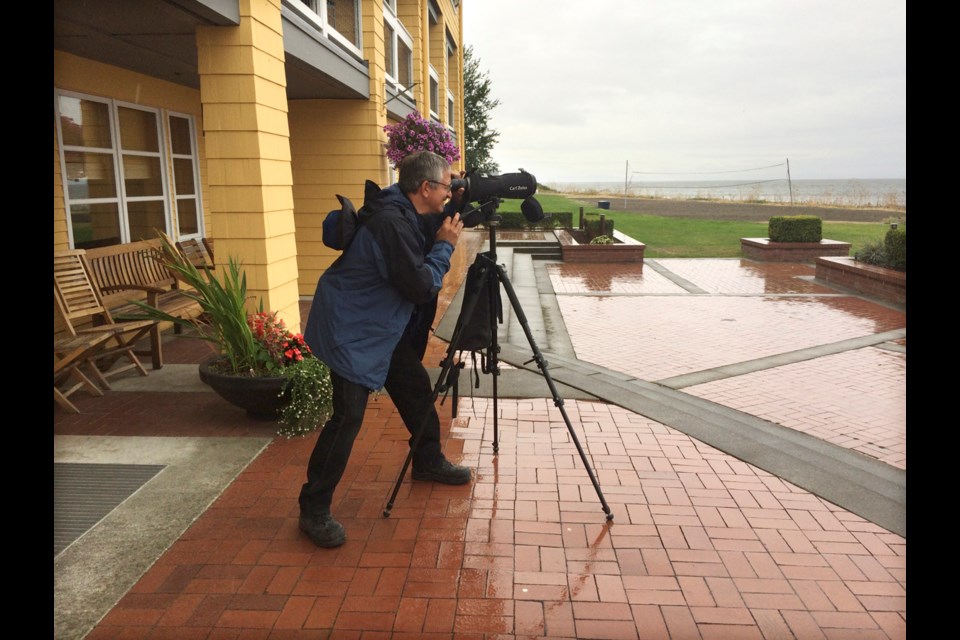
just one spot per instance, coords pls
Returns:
(84, 494)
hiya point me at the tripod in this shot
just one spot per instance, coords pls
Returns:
(488, 272)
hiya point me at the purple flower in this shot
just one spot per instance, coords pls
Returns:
(414, 133)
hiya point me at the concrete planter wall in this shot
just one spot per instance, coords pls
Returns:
(761, 249)
(627, 250)
(870, 280)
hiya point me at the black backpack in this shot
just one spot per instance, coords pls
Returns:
(350, 220)
(476, 331)
(473, 334)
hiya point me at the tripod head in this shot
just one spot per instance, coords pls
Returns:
(485, 213)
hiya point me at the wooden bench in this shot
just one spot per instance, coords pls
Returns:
(196, 252)
(135, 271)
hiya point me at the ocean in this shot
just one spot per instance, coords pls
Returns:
(851, 193)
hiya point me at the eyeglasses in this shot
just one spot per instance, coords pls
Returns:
(446, 186)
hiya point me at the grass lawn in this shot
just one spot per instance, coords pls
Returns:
(671, 237)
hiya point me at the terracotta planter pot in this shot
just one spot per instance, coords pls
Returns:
(259, 397)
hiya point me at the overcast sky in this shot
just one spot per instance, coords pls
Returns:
(687, 89)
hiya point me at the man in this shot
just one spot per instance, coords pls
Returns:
(362, 325)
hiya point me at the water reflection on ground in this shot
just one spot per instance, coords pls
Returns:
(685, 315)
(677, 275)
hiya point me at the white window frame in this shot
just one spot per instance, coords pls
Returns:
(451, 100)
(315, 11)
(112, 151)
(194, 158)
(399, 33)
(433, 94)
(160, 155)
(451, 113)
(117, 152)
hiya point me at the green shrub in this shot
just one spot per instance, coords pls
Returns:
(890, 252)
(872, 252)
(895, 244)
(516, 220)
(795, 229)
(557, 220)
(602, 240)
(592, 227)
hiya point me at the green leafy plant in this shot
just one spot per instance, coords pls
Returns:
(602, 240)
(310, 395)
(307, 378)
(889, 252)
(251, 344)
(224, 319)
(872, 252)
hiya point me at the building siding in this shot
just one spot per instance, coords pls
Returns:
(270, 168)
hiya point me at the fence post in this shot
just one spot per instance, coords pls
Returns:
(603, 224)
(581, 219)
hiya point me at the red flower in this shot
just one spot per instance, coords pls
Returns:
(280, 346)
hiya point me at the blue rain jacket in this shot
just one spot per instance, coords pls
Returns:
(366, 301)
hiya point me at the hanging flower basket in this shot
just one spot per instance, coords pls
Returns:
(414, 133)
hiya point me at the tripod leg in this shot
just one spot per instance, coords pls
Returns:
(496, 410)
(456, 398)
(493, 353)
(557, 399)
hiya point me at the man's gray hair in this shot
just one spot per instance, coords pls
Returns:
(420, 166)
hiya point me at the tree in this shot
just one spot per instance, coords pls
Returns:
(477, 105)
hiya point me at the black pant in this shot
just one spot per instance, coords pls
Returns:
(408, 384)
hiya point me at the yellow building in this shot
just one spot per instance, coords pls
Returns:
(239, 120)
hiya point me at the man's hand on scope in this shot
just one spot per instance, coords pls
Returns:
(450, 229)
(457, 196)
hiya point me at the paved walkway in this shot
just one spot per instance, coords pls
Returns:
(746, 426)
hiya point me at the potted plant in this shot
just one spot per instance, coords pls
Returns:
(260, 366)
(414, 133)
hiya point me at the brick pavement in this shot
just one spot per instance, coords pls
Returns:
(702, 546)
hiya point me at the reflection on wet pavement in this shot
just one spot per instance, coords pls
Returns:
(581, 278)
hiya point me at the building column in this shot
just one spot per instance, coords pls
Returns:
(247, 139)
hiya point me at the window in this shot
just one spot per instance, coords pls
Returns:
(344, 16)
(338, 20)
(114, 163)
(435, 33)
(141, 171)
(450, 70)
(434, 94)
(186, 178)
(398, 50)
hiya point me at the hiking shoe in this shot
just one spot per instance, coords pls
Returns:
(323, 530)
(444, 472)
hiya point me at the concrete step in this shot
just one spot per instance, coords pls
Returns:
(546, 249)
(547, 255)
(519, 245)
